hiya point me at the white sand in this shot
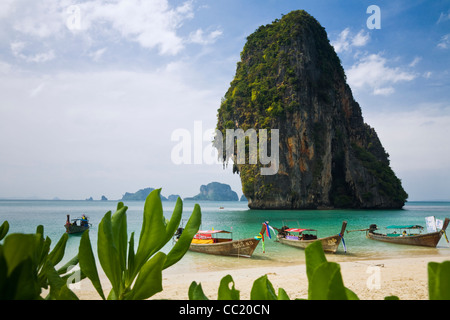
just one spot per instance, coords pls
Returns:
(406, 278)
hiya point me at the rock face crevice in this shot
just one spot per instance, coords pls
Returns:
(290, 78)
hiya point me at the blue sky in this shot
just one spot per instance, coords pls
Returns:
(92, 91)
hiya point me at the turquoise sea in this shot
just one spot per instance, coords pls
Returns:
(24, 215)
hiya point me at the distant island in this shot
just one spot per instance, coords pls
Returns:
(103, 198)
(142, 194)
(215, 191)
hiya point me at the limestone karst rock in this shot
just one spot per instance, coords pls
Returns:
(290, 78)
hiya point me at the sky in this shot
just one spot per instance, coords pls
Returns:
(94, 95)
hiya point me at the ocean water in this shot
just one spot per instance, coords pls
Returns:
(24, 216)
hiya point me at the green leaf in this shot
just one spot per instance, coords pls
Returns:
(282, 295)
(433, 282)
(149, 280)
(225, 292)
(56, 255)
(23, 282)
(184, 242)
(3, 276)
(58, 287)
(87, 263)
(17, 248)
(119, 227)
(196, 292)
(391, 298)
(262, 290)
(324, 278)
(315, 256)
(40, 231)
(351, 295)
(70, 264)
(327, 283)
(128, 275)
(42, 248)
(174, 220)
(4, 228)
(439, 280)
(108, 254)
(153, 232)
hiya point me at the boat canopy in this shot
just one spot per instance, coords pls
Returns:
(404, 227)
(212, 231)
(298, 230)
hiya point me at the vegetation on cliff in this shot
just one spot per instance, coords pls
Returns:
(290, 78)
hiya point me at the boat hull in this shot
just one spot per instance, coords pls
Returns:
(76, 229)
(424, 240)
(236, 248)
(329, 244)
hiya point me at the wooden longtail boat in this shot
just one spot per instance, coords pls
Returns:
(211, 242)
(415, 239)
(305, 237)
(77, 225)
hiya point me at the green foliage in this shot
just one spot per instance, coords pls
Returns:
(136, 275)
(4, 228)
(439, 280)
(324, 278)
(27, 266)
(268, 75)
(262, 290)
(324, 282)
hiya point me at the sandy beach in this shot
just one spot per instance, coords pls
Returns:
(406, 278)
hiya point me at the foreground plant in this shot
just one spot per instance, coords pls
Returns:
(136, 275)
(27, 266)
(324, 282)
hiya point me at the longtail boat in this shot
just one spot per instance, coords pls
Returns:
(405, 236)
(301, 238)
(220, 242)
(78, 225)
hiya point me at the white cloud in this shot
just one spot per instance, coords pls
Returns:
(153, 24)
(445, 42)
(42, 19)
(5, 8)
(34, 92)
(383, 91)
(4, 67)
(360, 39)
(346, 41)
(372, 72)
(415, 61)
(17, 49)
(444, 17)
(97, 55)
(200, 37)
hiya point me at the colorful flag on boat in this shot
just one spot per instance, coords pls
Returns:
(267, 229)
